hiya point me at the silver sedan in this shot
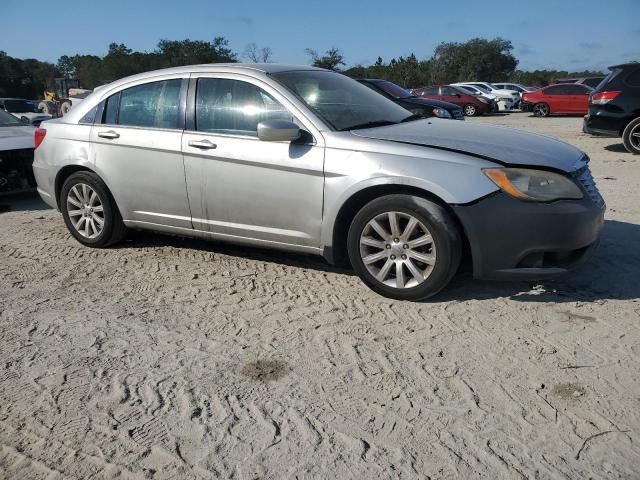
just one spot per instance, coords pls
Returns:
(308, 160)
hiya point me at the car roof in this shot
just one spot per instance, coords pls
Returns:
(622, 65)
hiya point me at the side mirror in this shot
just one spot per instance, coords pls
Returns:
(278, 131)
(25, 120)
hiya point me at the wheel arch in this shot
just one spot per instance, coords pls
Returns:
(336, 254)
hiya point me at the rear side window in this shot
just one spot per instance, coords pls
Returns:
(556, 90)
(89, 117)
(110, 115)
(234, 107)
(577, 90)
(155, 105)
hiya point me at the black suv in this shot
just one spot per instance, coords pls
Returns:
(614, 106)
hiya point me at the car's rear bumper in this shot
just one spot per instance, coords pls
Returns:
(604, 123)
(511, 239)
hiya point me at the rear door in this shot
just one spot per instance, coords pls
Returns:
(137, 150)
(579, 98)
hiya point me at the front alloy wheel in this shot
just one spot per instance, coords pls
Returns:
(397, 249)
(470, 110)
(404, 247)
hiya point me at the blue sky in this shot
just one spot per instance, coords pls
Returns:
(558, 34)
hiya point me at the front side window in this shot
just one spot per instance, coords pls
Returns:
(234, 107)
(154, 105)
(341, 102)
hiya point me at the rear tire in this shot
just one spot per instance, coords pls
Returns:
(541, 110)
(89, 210)
(404, 247)
(470, 110)
(631, 137)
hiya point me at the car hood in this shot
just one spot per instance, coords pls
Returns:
(500, 144)
(14, 138)
(431, 102)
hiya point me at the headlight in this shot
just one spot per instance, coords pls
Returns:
(441, 112)
(533, 185)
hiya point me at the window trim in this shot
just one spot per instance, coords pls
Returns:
(182, 97)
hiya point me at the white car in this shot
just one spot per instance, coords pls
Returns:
(24, 110)
(16, 154)
(515, 87)
(489, 88)
(504, 103)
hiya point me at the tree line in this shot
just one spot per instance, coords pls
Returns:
(474, 60)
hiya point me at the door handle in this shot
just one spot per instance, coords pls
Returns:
(110, 134)
(202, 144)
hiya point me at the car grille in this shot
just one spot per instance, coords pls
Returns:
(584, 177)
(16, 170)
(457, 114)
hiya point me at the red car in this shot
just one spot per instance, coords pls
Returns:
(470, 104)
(564, 98)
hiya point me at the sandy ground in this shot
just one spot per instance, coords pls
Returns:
(171, 358)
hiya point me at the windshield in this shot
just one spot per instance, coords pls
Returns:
(482, 87)
(468, 89)
(341, 102)
(6, 120)
(396, 91)
(21, 106)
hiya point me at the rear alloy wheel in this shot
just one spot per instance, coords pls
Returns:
(631, 137)
(89, 210)
(541, 110)
(470, 110)
(404, 247)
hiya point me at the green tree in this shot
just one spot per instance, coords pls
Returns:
(331, 60)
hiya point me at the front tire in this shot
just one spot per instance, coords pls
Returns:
(541, 110)
(89, 211)
(631, 137)
(404, 247)
(470, 110)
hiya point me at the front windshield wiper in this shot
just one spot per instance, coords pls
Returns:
(411, 118)
(377, 123)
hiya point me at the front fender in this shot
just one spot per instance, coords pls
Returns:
(348, 173)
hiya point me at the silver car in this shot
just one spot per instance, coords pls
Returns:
(308, 160)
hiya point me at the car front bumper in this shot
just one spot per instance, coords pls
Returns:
(511, 239)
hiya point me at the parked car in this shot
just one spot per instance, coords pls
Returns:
(309, 160)
(498, 103)
(25, 110)
(470, 104)
(489, 88)
(413, 103)
(561, 99)
(614, 107)
(592, 82)
(16, 154)
(516, 87)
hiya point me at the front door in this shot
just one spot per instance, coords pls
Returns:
(240, 186)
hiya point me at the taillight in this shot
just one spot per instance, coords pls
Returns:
(604, 97)
(39, 136)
